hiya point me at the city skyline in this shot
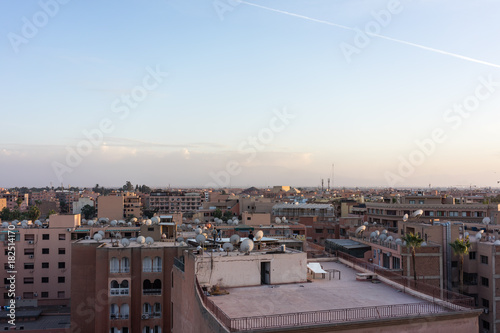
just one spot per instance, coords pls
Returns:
(236, 94)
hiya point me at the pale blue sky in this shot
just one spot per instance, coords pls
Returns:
(227, 77)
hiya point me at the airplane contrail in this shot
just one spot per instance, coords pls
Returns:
(376, 35)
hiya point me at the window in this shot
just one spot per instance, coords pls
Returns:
(470, 279)
(60, 294)
(45, 236)
(29, 266)
(157, 264)
(45, 251)
(484, 260)
(28, 251)
(454, 264)
(45, 279)
(62, 236)
(62, 250)
(29, 237)
(420, 202)
(319, 231)
(28, 280)
(45, 294)
(61, 265)
(486, 325)
(412, 202)
(45, 265)
(125, 265)
(484, 281)
(114, 264)
(28, 295)
(61, 279)
(486, 303)
(472, 255)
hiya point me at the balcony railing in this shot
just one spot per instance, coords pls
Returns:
(179, 264)
(125, 270)
(157, 269)
(151, 291)
(116, 316)
(119, 291)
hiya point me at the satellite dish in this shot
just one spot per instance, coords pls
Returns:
(382, 237)
(366, 223)
(200, 239)
(90, 223)
(228, 247)
(398, 241)
(5, 224)
(180, 239)
(198, 231)
(246, 246)
(258, 235)
(390, 239)
(479, 235)
(235, 222)
(141, 240)
(134, 219)
(417, 213)
(24, 225)
(373, 235)
(97, 237)
(234, 239)
(100, 232)
(197, 221)
(497, 242)
(283, 219)
(163, 236)
(277, 220)
(129, 224)
(360, 230)
(486, 220)
(118, 235)
(121, 222)
(424, 244)
(125, 242)
(38, 223)
(466, 234)
(149, 240)
(405, 217)
(113, 223)
(384, 231)
(149, 222)
(182, 244)
(155, 220)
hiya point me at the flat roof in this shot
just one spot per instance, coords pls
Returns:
(347, 243)
(321, 294)
(303, 205)
(106, 243)
(43, 323)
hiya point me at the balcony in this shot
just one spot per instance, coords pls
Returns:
(119, 291)
(151, 292)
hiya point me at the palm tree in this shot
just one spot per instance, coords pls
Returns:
(412, 242)
(461, 247)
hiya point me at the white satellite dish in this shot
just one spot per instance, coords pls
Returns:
(497, 242)
(129, 224)
(424, 244)
(373, 235)
(149, 222)
(258, 235)
(149, 240)
(246, 246)
(197, 221)
(182, 244)
(366, 223)
(100, 232)
(38, 223)
(121, 222)
(466, 234)
(198, 231)
(235, 222)
(390, 239)
(360, 230)
(234, 239)
(486, 220)
(97, 237)
(134, 219)
(382, 237)
(398, 241)
(141, 240)
(125, 242)
(180, 239)
(113, 223)
(118, 235)
(5, 224)
(155, 220)
(479, 235)
(200, 239)
(384, 231)
(418, 213)
(405, 217)
(228, 247)
(284, 220)
(90, 223)
(277, 220)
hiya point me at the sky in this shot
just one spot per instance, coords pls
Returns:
(254, 93)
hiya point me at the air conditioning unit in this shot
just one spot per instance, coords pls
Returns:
(87, 237)
(19, 298)
(7, 287)
(31, 256)
(31, 242)
(486, 310)
(35, 294)
(145, 316)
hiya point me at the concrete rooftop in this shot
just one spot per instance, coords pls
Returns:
(321, 294)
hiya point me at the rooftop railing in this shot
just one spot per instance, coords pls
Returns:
(320, 317)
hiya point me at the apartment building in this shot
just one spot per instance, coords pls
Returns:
(42, 261)
(119, 206)
(293, 211)
(174, 202)
(121, 287)
(434, 207)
